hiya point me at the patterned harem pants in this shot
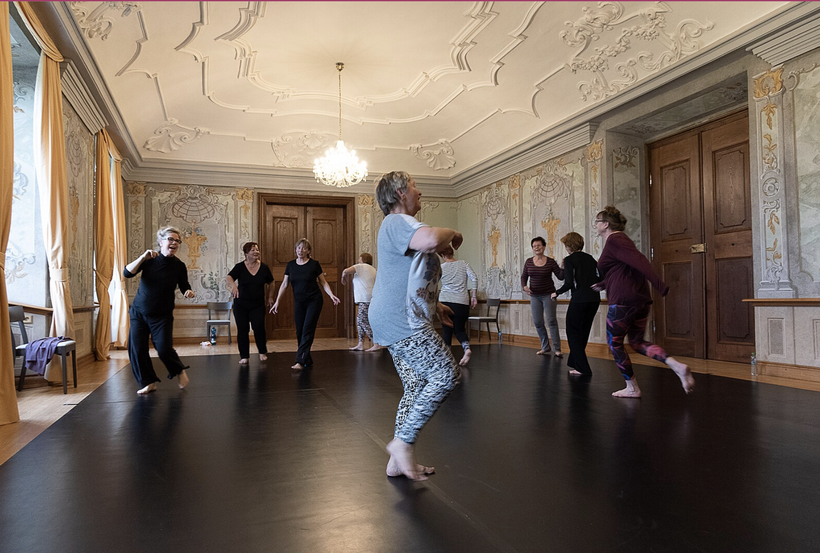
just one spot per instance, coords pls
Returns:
(429, 373)
(630, 320)
(363, 323)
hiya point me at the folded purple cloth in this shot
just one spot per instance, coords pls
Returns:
(39, 353)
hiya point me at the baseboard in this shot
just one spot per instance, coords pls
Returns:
(795, 372)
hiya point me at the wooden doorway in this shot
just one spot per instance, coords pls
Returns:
(701, 227)
(328, 223)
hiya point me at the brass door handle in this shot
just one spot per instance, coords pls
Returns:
(697, 248)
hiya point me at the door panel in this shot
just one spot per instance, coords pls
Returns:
(282, 225)
(326, 234)
(675, 202)
(728, 235)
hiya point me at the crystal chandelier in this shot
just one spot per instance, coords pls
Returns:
(340, 167)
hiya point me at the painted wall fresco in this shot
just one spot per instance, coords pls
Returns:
(79, 144)
(807, 134)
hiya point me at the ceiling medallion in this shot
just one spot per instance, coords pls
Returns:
(340, 167)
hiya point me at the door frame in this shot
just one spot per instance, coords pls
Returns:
(654, 241)
(348, 203)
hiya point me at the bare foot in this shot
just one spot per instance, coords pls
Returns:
(263, 357)
(375, 347)
(559, 354)
(297, 367)
(243, 361)
(542, 352)
(402, 454)
(183, 380)
(631, 390)
(357, 347)
(152, 387)
(573, 372)
(393, 468)
(465, 358)
(683, 372)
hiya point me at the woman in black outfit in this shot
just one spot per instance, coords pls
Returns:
(306, 275)
(247, 281)
(152, 312)
(580, 273)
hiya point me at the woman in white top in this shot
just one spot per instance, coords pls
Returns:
(364, 276)
(454, 294)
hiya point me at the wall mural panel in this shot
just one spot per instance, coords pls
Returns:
(626, 179)
(807, 134)
(593, 156)
(80, 170)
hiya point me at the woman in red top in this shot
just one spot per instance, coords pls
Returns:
(624, 272)
(539, 269)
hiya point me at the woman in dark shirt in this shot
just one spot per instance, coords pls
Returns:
(247, 281)
(152, 311)
(539, 270)
(580, 274)
(306, 275)
(624, 271)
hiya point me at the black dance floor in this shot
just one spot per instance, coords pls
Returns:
(261, 459)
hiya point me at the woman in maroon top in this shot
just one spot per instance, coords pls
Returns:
(624, 272)
(539, 269)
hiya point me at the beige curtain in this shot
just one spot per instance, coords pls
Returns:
(8, 397)
(119, 297)
(50, 167)
(103, 248)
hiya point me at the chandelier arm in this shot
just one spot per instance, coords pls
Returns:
(340, 104)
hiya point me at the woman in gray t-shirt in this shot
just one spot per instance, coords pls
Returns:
(405, 297)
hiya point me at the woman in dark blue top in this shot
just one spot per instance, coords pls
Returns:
(247, 281)
(305, 274)
(152, 311)
(580, 273)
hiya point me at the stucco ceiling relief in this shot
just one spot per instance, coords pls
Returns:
(439, 156)
(171, 136)
(99, 21)
(300, 149)
(591, 27)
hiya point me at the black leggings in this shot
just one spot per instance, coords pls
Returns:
(460, 314)
(306, 315)
(245, 318)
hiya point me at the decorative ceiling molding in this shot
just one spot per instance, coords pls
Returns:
(98, 23)
(80, 98)
(608, 17)
(789, 43)
(300, 149)
(437, 158)
(166, 139)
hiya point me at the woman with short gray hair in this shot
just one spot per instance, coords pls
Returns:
(405, 297)
(152, 311)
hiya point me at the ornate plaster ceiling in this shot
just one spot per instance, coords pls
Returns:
(435, 88)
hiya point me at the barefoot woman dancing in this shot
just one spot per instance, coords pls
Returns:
(624, 271)
(404, 301)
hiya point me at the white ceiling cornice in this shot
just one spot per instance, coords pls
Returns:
(80, 98)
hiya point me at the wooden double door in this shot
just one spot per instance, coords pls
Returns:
(327, 224)
(701, 228)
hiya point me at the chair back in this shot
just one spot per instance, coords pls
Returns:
(493, 302)
(218, 306)
(17, 315)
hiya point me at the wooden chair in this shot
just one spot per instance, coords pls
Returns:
(16, 315)
(489, 318)
(216, 307)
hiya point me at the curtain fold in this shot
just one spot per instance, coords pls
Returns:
(103, 248)
(52, 180)
(8, 397)
(119, 297)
